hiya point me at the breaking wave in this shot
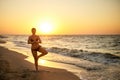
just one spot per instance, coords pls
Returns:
(105, 58)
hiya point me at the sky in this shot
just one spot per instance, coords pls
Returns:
(64, 16)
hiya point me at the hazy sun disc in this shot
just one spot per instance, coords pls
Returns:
(46, 28)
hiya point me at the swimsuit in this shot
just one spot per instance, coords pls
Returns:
(37, 49)
(33, 40)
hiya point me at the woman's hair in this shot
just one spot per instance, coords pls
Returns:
(33, 29)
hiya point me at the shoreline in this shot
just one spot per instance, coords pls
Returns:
(23, 66)
(15, 67)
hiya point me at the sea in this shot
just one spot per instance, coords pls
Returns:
(90, 52)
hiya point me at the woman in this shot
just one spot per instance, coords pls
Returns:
(34, 40)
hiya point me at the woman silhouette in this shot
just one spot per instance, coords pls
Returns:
(34, 40)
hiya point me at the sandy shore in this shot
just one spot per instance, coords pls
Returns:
(13, 66)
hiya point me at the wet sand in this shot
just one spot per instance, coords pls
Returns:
(13, 66)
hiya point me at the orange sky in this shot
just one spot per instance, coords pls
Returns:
(66, 16)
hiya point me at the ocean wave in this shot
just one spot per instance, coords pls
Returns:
(2, 41)
(2, 36)
(21, 44)
(105, 58)
(64, 50)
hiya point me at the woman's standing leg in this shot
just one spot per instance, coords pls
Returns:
(34, 53)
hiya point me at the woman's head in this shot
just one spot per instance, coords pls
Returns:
(33, 30)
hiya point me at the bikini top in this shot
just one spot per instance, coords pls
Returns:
(33, 40)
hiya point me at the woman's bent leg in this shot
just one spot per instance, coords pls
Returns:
(43, 52)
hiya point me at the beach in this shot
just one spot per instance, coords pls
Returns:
(86, 61)
(13, 66)
(73, 39)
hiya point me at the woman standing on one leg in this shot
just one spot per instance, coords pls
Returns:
(34, 40)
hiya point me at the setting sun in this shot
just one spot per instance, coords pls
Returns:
(45, 28)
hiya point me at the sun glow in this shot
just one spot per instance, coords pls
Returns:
(45, 28)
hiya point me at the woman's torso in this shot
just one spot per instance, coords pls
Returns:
(34, 38)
